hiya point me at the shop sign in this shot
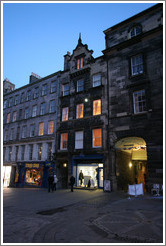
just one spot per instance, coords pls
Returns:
(48, 164)
(32, 165)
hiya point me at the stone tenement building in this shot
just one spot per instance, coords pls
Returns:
(107, 118)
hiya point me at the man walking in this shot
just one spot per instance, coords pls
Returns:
(72, 181)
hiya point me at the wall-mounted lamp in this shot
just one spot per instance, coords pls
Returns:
(130, 165)
(86, 99)
(64, 164)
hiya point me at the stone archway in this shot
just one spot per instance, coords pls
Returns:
(131, 162)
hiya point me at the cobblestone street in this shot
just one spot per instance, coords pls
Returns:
(36, 216)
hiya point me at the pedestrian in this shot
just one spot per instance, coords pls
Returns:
(55, 182)
(81, 177)
(72, 181)
(50, 182)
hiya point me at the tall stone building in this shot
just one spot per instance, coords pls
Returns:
(29, 121)
(134, 54)
(101, 117)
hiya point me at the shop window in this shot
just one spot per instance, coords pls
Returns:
(80, 85)
(44, 90)
(53, 86)
(97, 138)
(64, 141)
(41, 128)
(30, 151)
(32, 130)
(65, 90)
(139, 101)
(137, 65)
(8, 118)
(33, 176)
(42, 108)
(79, 140)
(36, 93)
(24, 131)
(52, 106)
(97, 107)
(65, 113)
(14, 116)
(22, 152)
(136, 30)
(50, 127)
(40, 147)
(34, 111)
(80, 111)
(80, 63)
(96, 80)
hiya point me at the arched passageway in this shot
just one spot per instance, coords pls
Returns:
(131, 162)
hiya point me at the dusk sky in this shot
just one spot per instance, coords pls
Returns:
(36, 36)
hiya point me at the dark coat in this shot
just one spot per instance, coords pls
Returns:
(72, 180)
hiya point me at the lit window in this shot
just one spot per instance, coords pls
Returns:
(80, 63)
(79, 140)
(96, 80)
(65, 114)
(41, 128)
(50, 127)
(137, 64)
(97, 138)
(135, 31)
(66, 90)
(64, 141)
(97, 107)
(80, 85)
(139, 101)
(34, 111)
(8, 117)
(14, 116)
(80, 111)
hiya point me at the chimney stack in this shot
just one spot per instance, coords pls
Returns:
(66, 61)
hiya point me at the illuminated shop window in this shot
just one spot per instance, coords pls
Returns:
(65, 113)
(41, 128)
(50, 127)
(64, 141)
(137, 65)
(97, 107)
(79, 140)
(139, 101)
(80, 63)
(97, 138)
(80, 111)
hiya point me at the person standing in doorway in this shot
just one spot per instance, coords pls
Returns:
(72, 182)
(81, 177)
(50, 182)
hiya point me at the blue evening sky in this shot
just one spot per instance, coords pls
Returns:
(36, 36)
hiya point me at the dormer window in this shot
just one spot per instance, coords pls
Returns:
(135, 31)
(80, 63)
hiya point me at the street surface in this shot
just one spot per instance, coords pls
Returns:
(32, 215)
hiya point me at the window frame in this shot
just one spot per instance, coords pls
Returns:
(64, 91)
(42, 108)
(96, 82)
(44, 90)
(34, 110)
(41, 129)
(139, 103)
(62, 141)
(138, 66)
(77, 111)
(79, 141)
(52, 106)
(80, 87)
(95, 108)
(65, 115)
(97, 136)
(50, 127)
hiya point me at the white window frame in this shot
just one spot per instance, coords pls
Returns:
(24, 131)
(32, 130)
(80, 85)
(44, 90)
(135, 31)
(65, 90)
(65, 114)
(53, 87)
(79, 139)
(34, 111)
(52, 106)
(97, 80)
(42, 108)
(137, 65)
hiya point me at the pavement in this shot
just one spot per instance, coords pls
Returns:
(32, 215)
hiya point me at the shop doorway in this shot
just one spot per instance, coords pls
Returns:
(131, 162)
(6, 175)
(88, 175)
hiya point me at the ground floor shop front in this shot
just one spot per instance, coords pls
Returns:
(33, 174)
